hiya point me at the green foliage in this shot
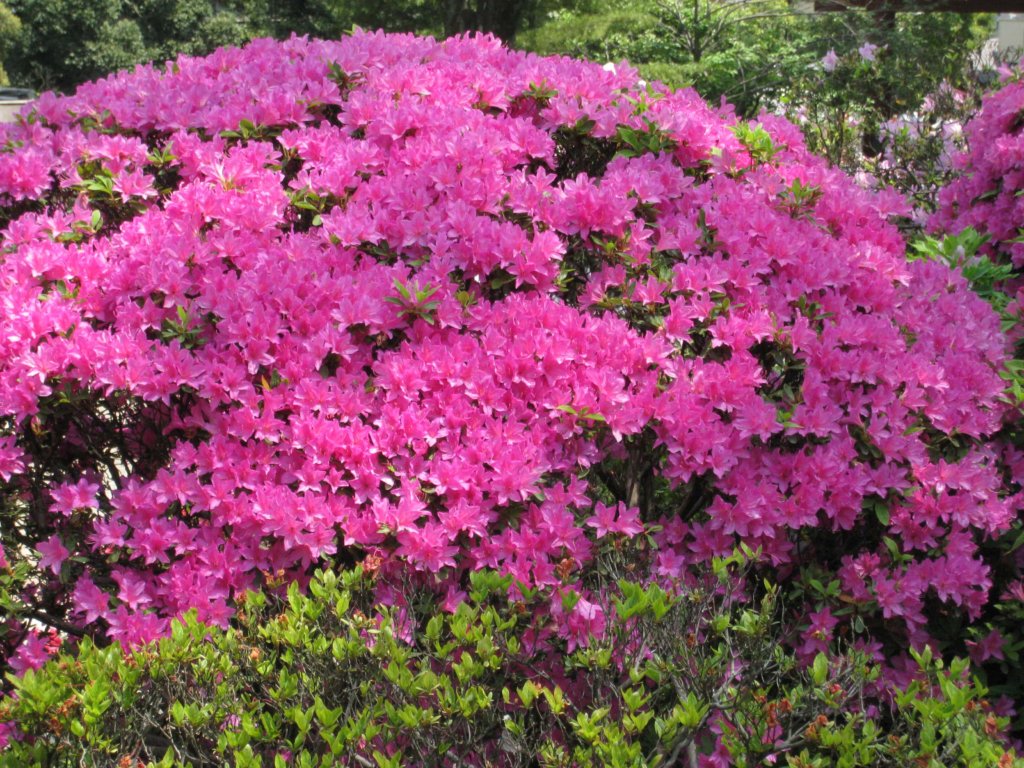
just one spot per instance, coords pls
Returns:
(760, 54)
(940, 719)
(10, 29)
(333, 677)
(318, 18)
(193, 27)
(741, 53)
(60, 43)
(65, 42)
(609, 35)
(414, 301)
(1001, 671)
(504, 18)
(843, 110)
(50, 50)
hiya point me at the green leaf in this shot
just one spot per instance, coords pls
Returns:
(528, 692)
(819, 669)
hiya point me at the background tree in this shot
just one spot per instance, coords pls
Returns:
(10, 28)
(505, 18)
(759, 53)
(705, 26)
(65, 42)
(52, 49)
(61, 43)
(281, 18)
(743, 50)
(195, 27)
(501, 17)
(866, 75)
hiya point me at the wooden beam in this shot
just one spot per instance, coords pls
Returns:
(906, 6)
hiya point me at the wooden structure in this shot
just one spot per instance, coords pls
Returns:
(902, 6)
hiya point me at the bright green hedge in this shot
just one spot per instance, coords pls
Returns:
(329, 678)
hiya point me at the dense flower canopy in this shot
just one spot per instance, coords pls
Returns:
(441, 306)
(988, 193)
(986, 196)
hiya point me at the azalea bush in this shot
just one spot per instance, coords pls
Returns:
(441, 307)
(313, 680)
(985, 196)
(978, 222)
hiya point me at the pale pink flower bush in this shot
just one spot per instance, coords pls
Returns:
(453, 307)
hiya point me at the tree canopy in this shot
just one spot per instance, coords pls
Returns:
(58, 44)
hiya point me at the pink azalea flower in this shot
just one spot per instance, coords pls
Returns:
(867, 51)
(31, 654)
(617, 519)
(988, 647)
(70, 497)
(52, 554)
(90, 599)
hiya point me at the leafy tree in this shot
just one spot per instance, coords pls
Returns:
(742, 51)
(63, 43)
(759, 53)
(51, 52)
(10, 28)
(705, 26)
(606, 34)
(194, 27)
(504, 18)
(318, 18)
(66, 42)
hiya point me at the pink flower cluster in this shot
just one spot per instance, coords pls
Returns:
(355, 298)
(985, 196)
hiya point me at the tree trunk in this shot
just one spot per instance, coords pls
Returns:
(499, 17)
